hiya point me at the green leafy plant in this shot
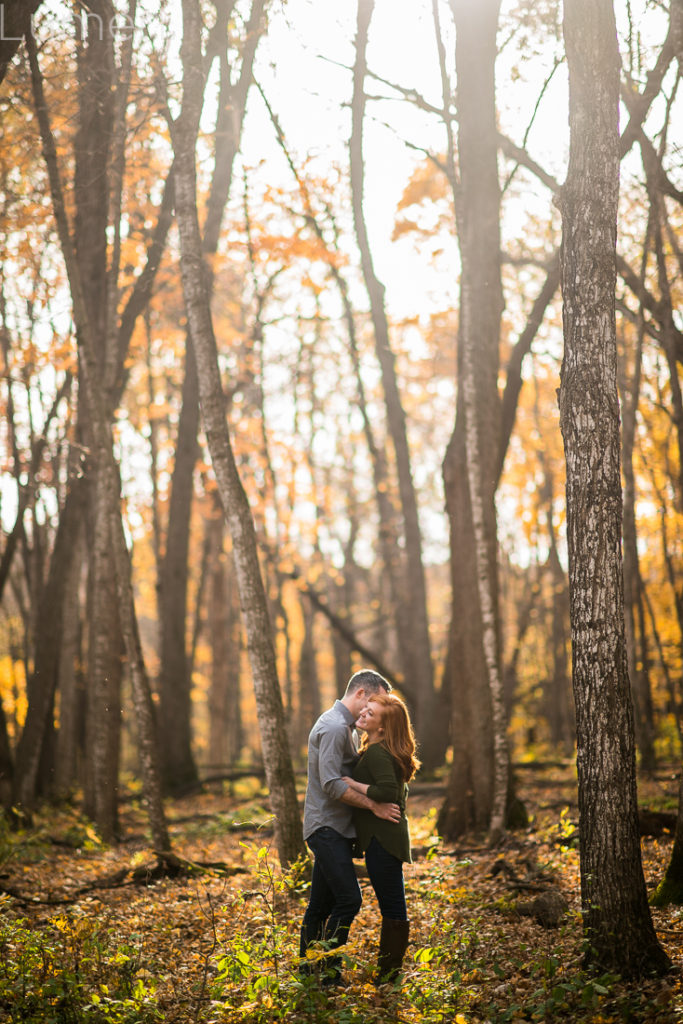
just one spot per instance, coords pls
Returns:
(71, 972)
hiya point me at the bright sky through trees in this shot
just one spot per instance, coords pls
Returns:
(304, 66)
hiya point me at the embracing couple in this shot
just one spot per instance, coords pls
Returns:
(355, 804)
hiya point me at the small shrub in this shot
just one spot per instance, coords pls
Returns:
(71, 972)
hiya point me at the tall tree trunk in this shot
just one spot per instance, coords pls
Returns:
(475, 160)
(103, 458)
(616, 916)
(560, 710)
(340, 600)
(309, 681)
(179, 768)
(636, 640)
(103, 707)
(413, 631)
(179, 771)
(92, 149)
(70, 738)
(225, 712)
(559, 700)
(277, 760)
(6, 763)
(478, 738)
(42, 683)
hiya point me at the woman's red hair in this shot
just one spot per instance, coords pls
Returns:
(398, 736)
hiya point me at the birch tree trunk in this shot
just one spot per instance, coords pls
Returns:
(276, 756)
(617, 923)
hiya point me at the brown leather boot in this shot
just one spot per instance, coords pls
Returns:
(393, 942)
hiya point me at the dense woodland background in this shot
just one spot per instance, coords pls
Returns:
(262, 268)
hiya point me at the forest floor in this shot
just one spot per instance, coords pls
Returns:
(81, 939)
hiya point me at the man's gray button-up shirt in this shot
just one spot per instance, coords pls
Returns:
(332, 752)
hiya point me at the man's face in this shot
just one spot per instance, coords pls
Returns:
(360, 699)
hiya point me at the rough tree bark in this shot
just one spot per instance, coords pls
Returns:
(617, 923)
(276, 756)
(105, 657)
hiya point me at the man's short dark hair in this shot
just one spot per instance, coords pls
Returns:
(372, 681)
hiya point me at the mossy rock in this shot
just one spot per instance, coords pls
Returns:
(548, 908)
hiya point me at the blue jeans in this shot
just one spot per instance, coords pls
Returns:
(335, 896)
(386, 876)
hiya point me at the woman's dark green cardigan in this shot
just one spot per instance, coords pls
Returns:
(380, 771)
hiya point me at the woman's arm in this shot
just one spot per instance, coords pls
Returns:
(360, 787)
(355, 796)
(379, 764)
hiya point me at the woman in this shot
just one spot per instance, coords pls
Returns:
(386, 765)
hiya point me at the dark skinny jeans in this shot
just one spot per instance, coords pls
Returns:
(335, 896)
(386, 875)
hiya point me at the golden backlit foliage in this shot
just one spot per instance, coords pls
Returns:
(285, 267)
(13, 688)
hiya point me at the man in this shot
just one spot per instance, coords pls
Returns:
(335, 896)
